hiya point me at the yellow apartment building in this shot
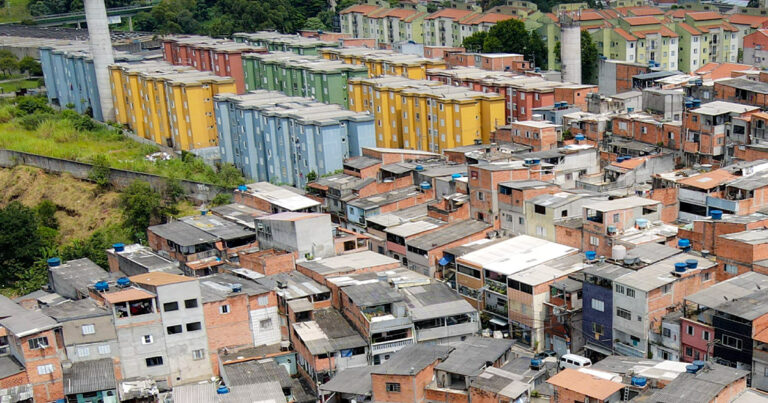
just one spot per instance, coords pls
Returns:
(385, 62)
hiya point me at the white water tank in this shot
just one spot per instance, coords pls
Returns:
(618, 252)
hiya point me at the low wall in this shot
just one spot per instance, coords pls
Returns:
(202, 192)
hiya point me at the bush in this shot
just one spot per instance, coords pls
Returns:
(221, 199)
(100, 171)
(28, 105)
(32, 121)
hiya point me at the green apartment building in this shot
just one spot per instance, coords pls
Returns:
(706, 37)
(277, 42)
(301, 76)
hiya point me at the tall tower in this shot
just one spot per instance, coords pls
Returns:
(101, 50)
(570, 50)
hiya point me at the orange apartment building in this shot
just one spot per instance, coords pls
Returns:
(705, 130)
(741, 252)
(404, 378)
(704, 234)
(575, 94)
(645, 128)
(743, 91)
(512, 197)
(538, 134)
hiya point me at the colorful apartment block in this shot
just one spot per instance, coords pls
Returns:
(385, 62)
(276, 42)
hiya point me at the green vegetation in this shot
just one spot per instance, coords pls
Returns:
(589, 59)
(15, 85)
(45, 7)
(509, 36)
(225, 17)
(14, 10)
(30, 125)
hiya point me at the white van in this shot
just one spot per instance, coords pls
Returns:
(574, 361)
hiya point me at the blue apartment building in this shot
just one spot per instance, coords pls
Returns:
(597, 309)
(280, 139)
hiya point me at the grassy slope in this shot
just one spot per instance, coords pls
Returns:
(14, 10)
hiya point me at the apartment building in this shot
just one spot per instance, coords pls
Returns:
(605, 221)
(513, 196)
(308, 235)
(70, 78)
(381, 62)
(274, 41)
(706, 134)
(704, 233)
(642, 298)
(706, 37)
(270, 198)
(425, 252)
(275, 138)
(741, 252)
(538, 134)
(444, 27)
(87, 330)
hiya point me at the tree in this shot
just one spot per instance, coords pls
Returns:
(46, 211)
(589, 59)
(537, 49)
(8, 65)
(311, 176)
(100, 171)
(314, 24)
(141, 207)
(475, 42)
(20, 244)
(509, 36)
(30, 66)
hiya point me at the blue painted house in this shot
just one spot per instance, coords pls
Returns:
(597, 309)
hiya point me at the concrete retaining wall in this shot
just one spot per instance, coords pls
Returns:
(119, 178)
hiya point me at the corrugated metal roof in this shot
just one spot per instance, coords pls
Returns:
(90, 376)
(355, 381)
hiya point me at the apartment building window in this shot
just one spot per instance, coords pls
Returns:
(732, 342)
(623, 313)
(175, 329)
(88, 329)
(666, 289)
(619, 288)
(154, 361)
(198, 354)
(689, 330)
(194, 326)
(597, 328)
(707, 276)
(705, 335)
(616, 217)
(38, 343)
(393, 387)
(666, 332)
(105, 349)
(190, 303)
(83, 352)
(170, 306)
(731, 269)
(224, 309)
(480, 196)
(598, 305)
(263, 300)
(594, 241)
(146, 339)
(45, 369)
(630, 292)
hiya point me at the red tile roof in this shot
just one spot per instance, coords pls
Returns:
(452, 13)
(360, 8)
(705, 15)
(585, 384)
(639, 11)
(663, 31)
(400, 13)
(552, 17)
(677, 13)
(487, 18)
(753, 21)
(714, 71)
(691, 30)
(610, 13)
(642, 20)
(631, 163)
(588, 15)
(624, 34)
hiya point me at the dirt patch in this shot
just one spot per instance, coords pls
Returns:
(81, 210)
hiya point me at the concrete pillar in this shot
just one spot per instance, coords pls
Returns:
(570, 50)
(101, 51)
(130, 23)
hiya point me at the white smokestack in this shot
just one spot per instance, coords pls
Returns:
(101, 50)
(570, 50)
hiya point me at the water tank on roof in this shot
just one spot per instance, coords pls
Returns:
(630, 109)
(53, 262)
(119, 247)
(639, 381)
(680, 267)
(691, 369)
(688, 104)
(456, 176)
(419, 168)
(699, 364)
(641, 223)
(590, 255)
(692, 263)
(579, 137)
(123, 282)
(222, 390)
(242, 188)
(535, 363)
(237, 287)
(618, 252)
(101, 286)
(684, 244)
(535, 161)
(696, 102)
(716, 214)
(425, 185)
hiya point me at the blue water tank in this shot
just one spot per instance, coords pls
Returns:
(691, 369)
(101, 286)
(123, 282)
(237, 287)
(222, 390)
(535, 161)
(619, 159)
(696, 102)
(612, 229)
(456, 176)
(419, 168)
(425, 185)
(683, 243)
(630, 110)
(716, 214)
(692, 263)
(535, 363)
(242, 188)
(119, 247)
(699, 364)
(639, 381)
(203, 212)
(641, 223)
(590, 255)
(627, 157)
(688, 104)
(680, 267)
(579, 137)
(53, 262)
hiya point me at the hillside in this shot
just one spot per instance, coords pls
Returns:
(80, 211)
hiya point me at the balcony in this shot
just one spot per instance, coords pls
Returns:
(390, 346)
(496, 286)
(626, 349)
(498, 310)
(460, 329)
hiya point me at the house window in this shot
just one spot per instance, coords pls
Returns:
(594, 241)
(479, 195)
(666, 289)
(265, 324)
(393, 387)
(623, 313)
(616, 217)
(598, 305)
(705, 335)
(88, 329)
(597, 328)
(619, 288)
(38, 343)
(631, 292)
(154, 361)
(190, 303)
(224, 309)
(689, 330)
(170, 306)
(105, 349)
(707, 276)
(45, 369)
(194, 326)
(263, 300)
(198, 354)
(732, 342)
(731, 269)
(175, 329)
(688, 351)
(83, 352)
(666, 332)
(146, 339)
